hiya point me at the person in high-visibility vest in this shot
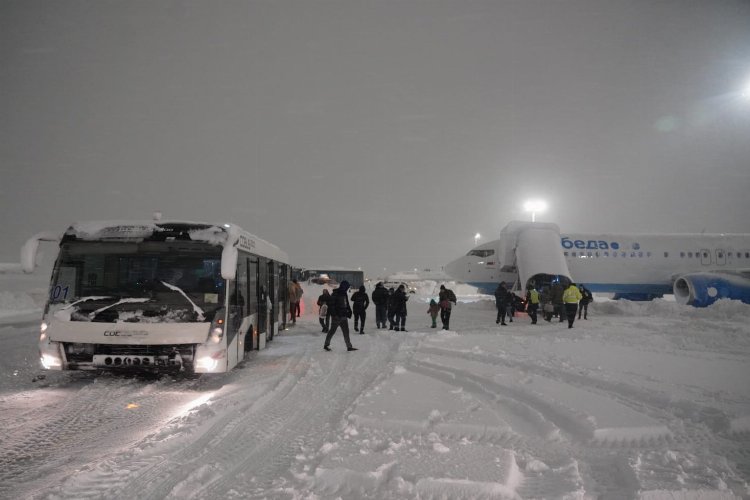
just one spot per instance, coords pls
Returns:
(571, 297)
(532, 301)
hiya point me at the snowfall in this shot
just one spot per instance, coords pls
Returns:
(640, 401)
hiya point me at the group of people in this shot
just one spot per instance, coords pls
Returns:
(390, 308)
(555, 300)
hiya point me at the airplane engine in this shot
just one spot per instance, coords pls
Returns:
(703, 289)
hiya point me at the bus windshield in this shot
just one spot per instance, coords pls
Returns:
(169, 281)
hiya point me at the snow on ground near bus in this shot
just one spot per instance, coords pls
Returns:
(642, 400)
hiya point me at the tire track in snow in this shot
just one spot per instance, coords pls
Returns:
(119, 476)
(254, 443)
(89, 421)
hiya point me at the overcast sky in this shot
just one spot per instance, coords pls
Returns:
(380, 134)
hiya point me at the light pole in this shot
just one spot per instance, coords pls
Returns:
(476, 238)
(535, 206)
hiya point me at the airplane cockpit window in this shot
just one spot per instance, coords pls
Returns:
(481, 253)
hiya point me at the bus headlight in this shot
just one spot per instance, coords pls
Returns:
(43, 327)
(207, 363)
(216, 335)
(50, 362)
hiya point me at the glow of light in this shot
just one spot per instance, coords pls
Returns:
(746, 92)
(207, 363)
(132, 406)
(43, 327)
(203, 399)
(535, 206)
(49, 361)
(476, 238)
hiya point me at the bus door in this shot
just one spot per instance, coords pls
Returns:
(262, 294)
(273, 313)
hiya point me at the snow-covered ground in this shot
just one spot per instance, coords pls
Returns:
(642, 400)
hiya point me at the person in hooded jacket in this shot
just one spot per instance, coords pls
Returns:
(399, 307)
(446, 301)
(583, 305)
(325, 300)
(340, 314)
(380, 299)
(360, 301)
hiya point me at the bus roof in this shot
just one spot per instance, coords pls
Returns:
(214, 234)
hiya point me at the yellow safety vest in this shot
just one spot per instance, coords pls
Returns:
(572, 295)
(533, 296)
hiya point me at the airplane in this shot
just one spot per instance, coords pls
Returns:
(698, 269)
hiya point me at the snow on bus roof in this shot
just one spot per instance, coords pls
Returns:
(215, 234)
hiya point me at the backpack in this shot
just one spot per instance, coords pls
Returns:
(451, 295)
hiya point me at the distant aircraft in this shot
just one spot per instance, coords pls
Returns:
(698, 269)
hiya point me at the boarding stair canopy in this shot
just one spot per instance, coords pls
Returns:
(538, 252)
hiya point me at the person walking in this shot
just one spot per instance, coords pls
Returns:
(501, 297)
(510, 306)
(446, 301)
(532, 303)
(557, 300)
(399, 305)
(583, 305)
(360, 301)
(433, 311)
(340, 314)
(325, 300)
(295, 294)
(571, 297)
(323, 317)
(380, 299)
(545, 298)
(391, 309)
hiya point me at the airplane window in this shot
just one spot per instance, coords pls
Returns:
(640, 254)
(690, 254)
(574, 254)
(606, 254)
(648, 254)
(682, 254)
(705, 254)
(666, 254)
(720, 255)
(565, 253)
(623, 254)
(597, 254)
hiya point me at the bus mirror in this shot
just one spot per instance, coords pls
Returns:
(229, 262)
(29, 249)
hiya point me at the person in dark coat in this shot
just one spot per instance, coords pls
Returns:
(380, 299)
(399, 307)
(391, 309)
(501, 299)
(360, 301)
(446, 300)
(325, 298)
(340, 314)
(583, 305)
(557, 291)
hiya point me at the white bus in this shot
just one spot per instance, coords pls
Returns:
(160, 296)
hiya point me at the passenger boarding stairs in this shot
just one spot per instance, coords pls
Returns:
(535, 250)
